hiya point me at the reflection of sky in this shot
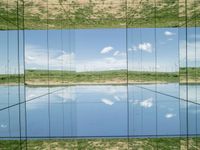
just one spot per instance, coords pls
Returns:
(102, 111)
(102, 49)
(58, 95)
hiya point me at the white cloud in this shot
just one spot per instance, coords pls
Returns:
(106, 50)
(134, 48)
(37, 58)
(170, 115)
(168, 33)
(150, 66)
(118, 53)
(190, 51)
(147, 103)
(109, 63)
(110, 60)
(157, 66)
(107, 101)
(146, 47)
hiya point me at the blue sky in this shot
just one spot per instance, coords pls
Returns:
(141, 44)
(9, 49)
(103, 49)
(150, 49)
(100, 49)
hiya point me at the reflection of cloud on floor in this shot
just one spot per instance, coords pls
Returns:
(117, 98)
(33, 106)
(185, 104)
(190, 93)
(107, 101)
(169, 115)
(101, 89)
(111, 90)
(134, 102)
(35, 92)
(3, 126)
(194, 110)
(66, 95)
(171, 109)
(148, 103)
(116, 93)
(30, 96)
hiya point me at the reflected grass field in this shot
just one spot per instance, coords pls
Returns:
(104, 144)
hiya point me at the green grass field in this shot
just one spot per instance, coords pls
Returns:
(97, 14)
(99, 77)
(42, 77)
(53, 77)
(11, 79)
(104, 144)
(190, 75)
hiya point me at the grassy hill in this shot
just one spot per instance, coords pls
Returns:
(96, 14)
(11, 79)
(190, 75)
(55, 77)
(42, 77)
(100, 144)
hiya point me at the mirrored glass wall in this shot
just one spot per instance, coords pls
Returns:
(99, 74)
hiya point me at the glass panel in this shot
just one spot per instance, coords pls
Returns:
(101, 56)
(36, 55)
(99, 74)
(167, 53)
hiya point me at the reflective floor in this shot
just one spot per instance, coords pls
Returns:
(102, 111)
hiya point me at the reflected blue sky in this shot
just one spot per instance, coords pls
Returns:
(102, 111)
